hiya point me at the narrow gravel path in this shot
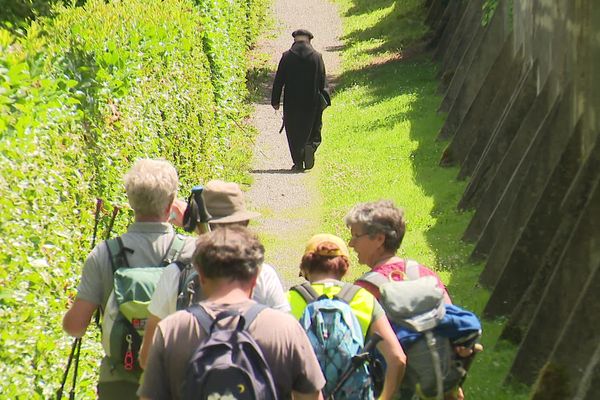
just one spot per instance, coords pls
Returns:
(289, 203)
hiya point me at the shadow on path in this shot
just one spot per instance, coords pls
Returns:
(274, 171)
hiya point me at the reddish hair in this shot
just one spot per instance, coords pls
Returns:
(334, 265)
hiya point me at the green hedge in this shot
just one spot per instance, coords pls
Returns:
(82, 95)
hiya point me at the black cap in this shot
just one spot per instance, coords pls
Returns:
(302, 32)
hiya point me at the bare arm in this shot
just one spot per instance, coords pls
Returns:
(77, 319)
(307, 396)
(151, 323)
(393, 354)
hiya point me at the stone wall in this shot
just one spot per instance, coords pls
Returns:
(523, 98)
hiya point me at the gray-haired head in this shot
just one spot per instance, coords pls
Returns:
(151, 187)
(379, 217)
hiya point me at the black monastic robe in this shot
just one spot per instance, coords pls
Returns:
(301, 75)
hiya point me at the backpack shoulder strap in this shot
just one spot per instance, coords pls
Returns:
(202, 316)
(374, 278)
(307, 292)
(174, 249)
(411, 268)
(185, 270)
(251, 314)
(188, 289)
(116, 252)
(348, 292)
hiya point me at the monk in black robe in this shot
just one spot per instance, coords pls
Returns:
(301, 75)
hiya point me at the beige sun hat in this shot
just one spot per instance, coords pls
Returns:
(225, 202)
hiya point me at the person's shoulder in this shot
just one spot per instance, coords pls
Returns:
(172, 269)
(188, 240)
(174, 321)
(187, 249)
(99, 256)
(364, 293)
(99, 250)
(283, 319)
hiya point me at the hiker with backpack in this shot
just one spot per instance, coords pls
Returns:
(225, 203)
(340, 318)
(439, 338)
(228, 346)
(110, 271)
(377, 229)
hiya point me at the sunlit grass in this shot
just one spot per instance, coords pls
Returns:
(380, 142)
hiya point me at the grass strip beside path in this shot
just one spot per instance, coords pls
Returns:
(380, 142)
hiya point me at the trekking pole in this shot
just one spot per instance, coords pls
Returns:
(59, 393)
(113, 217)
(357, 361)
(75, 370)
(76, 346)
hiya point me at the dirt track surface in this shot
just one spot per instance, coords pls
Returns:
(289, 202)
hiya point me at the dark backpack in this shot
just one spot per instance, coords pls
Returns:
(189, 291)
(428, 330)
(228, 363)
(335, 335)
(126, 310)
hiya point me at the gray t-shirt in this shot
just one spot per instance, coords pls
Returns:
(282, 340)
(149, 242)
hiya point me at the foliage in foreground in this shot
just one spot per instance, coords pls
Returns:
(82, 95)
(380, 142)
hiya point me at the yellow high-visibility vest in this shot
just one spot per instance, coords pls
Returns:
(362, 304)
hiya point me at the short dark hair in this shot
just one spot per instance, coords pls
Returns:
(232, 252)
(314, 262)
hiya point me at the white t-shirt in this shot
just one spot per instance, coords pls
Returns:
(268, 291)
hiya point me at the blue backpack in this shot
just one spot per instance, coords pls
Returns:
(335, 335)
(228, 363)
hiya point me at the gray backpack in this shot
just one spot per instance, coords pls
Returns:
(415, 307)
(228, 363)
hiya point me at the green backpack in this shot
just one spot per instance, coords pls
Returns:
(126, 310)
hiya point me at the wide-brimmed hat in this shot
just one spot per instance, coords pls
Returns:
(338, 246)
(225, 202)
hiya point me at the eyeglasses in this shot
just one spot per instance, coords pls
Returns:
(355, 237)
